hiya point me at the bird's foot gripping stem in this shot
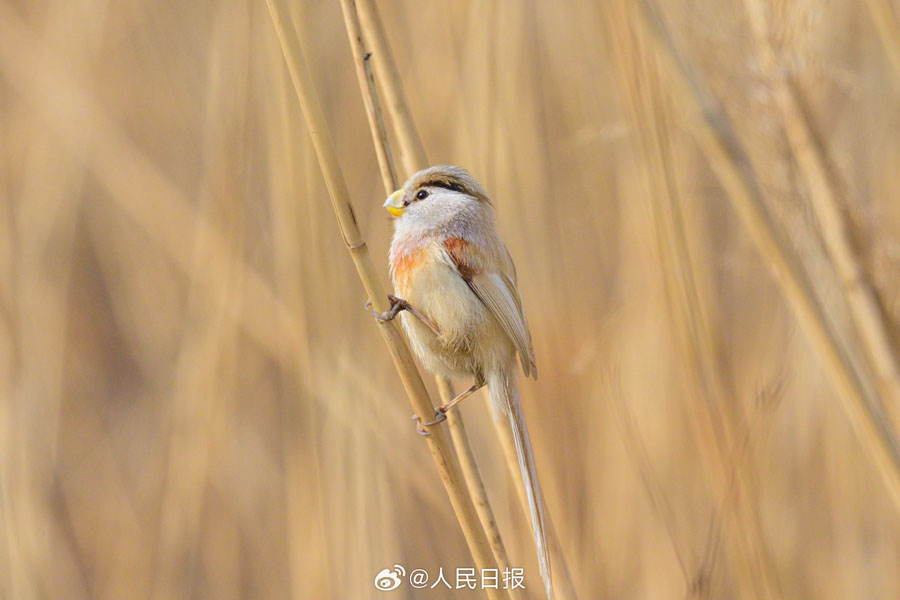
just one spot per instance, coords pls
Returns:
(397, 305)
(439, 417)
(440, 414)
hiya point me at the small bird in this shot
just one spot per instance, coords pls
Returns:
(456, 282)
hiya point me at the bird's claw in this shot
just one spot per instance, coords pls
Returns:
(439, 417)
(398, 304)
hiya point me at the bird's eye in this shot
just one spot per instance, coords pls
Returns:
(422, 195)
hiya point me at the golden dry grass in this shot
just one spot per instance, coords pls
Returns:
(195, 404)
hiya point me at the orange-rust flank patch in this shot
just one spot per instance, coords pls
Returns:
(458, 249)
(403, 268)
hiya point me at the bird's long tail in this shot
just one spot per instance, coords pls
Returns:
(505, 401)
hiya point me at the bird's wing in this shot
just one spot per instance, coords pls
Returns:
(497, 290)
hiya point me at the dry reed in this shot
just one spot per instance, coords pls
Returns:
(413, 153)
(728, 159)
(439, 445)
(827, 196)
(718, 429)
(185, 367)
(455, 423)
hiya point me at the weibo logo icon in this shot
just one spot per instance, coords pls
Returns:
(389, 579)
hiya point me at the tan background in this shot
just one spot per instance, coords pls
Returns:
(195, 405)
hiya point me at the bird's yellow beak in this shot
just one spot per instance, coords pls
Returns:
(394, 203)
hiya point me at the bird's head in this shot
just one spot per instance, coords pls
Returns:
(436, 195)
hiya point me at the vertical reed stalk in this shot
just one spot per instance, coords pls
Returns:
(826, 192)
(414, 158)
(438, 443)
(476, 487)
(412, 152)
(644, 101)
(361, 57)
(725, 153)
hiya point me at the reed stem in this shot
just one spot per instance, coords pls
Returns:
(438, 443)
(362, 62)
(412, 153)
(826, 193)
(718, 426)
(723, 149)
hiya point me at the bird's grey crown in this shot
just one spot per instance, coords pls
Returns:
(448, 177)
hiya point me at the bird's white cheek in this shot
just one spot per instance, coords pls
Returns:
(411, 225)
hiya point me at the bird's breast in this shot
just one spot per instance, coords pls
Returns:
(425, 279)
(405, 266)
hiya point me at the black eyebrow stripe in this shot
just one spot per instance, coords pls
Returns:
(443, 183)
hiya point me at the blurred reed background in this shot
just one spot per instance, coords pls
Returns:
(196, 405)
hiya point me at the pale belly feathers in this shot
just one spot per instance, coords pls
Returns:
(471, 339)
